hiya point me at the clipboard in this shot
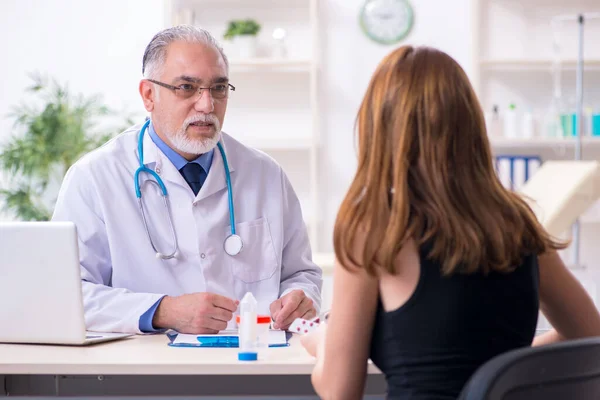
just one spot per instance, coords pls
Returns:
(217, 341)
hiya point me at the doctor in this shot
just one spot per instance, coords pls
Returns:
(176, 219)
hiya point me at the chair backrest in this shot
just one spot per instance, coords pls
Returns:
(566, 370)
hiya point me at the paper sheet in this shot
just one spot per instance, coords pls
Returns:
(276, 337)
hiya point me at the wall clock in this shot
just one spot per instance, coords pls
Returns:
(386, 21)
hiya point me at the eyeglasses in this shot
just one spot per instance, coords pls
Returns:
(218, 91)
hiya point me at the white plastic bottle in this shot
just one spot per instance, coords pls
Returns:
(510, 123)
(248, 333)
(493, 123)
(528, 125)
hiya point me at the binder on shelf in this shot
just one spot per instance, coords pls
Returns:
(515, 170)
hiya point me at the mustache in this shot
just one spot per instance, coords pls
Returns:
(205, 118)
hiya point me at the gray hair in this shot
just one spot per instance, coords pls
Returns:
(156, 51)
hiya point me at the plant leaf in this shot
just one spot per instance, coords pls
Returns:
(49, 134)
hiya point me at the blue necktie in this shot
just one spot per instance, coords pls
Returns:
(194, 175)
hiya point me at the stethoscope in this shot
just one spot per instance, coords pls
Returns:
(232, 245)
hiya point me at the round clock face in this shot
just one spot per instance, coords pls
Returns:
(386, 21)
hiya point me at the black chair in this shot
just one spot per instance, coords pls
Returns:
(567, 370)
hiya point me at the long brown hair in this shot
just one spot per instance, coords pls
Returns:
(425, 172)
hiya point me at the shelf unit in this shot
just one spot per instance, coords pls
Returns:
(269, 65)
(513, 63)
(275, 105)
(514, 44)
(280, 144)
(535, 65)
(540, 143)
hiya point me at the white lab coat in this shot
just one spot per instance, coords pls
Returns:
(122, 278)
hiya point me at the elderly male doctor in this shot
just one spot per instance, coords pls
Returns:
(131, 282)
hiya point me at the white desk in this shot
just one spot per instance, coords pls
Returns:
(146, 365)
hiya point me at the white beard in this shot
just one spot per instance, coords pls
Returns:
(182, 142)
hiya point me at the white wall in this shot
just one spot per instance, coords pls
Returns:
(349, 58)
(95, 46)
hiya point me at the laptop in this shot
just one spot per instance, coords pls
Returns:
(40, 286)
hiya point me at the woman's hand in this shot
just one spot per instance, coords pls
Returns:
(314, 342)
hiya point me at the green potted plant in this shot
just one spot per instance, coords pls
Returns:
(46, 140)
(243, 34)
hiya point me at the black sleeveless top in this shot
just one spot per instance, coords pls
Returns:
(429, 347)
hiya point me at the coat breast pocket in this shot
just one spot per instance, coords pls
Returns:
(257, 260)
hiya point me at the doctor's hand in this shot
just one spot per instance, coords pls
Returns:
(293, 305)
(195, 313)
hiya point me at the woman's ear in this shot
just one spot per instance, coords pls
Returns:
(147, 91)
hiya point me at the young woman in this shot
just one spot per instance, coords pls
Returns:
(439, 267)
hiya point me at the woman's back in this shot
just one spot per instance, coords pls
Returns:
(448, 326)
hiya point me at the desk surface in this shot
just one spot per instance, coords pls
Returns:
(150, 355)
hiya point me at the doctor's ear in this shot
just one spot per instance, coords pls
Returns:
(148, 93)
